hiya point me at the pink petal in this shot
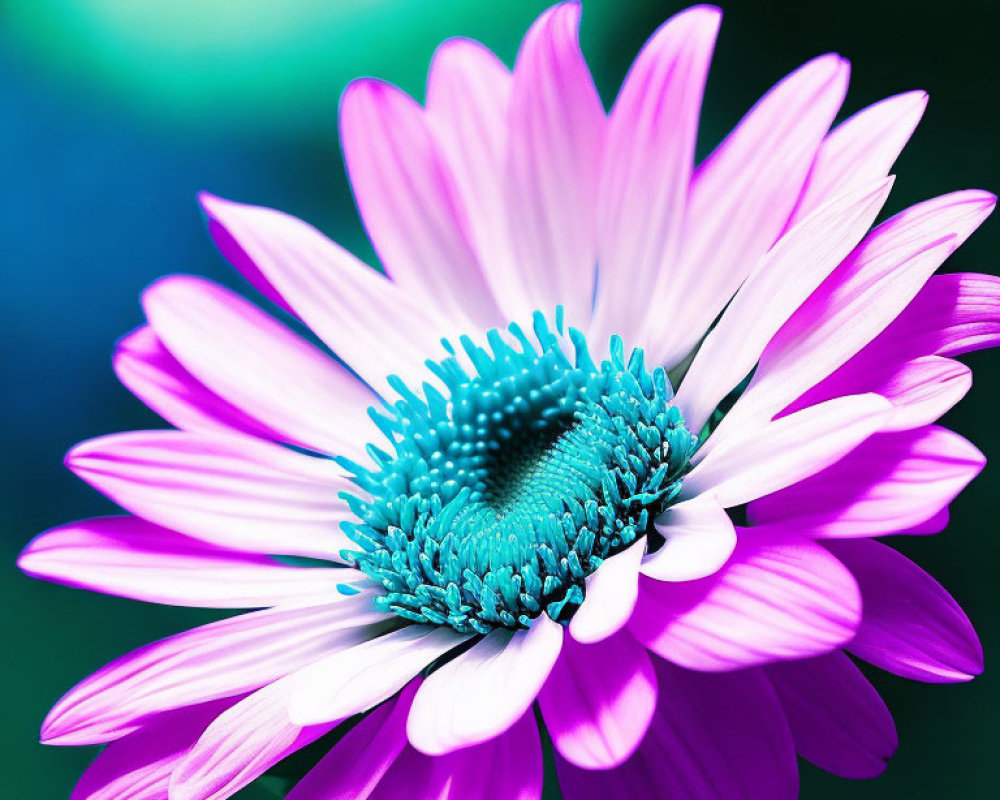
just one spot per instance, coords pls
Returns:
(359, 761)
(861, 149)
(147, 369)
(556, 126)
(611, 592)
(129, 557)
(258, 365)
(353, 680)
(714, 737)
(468, 96)
(755, 462)
(221, 659)
(741, 197)
(698, 538)
(859, 299)
(373, 325)
(409, 203)
(599, 700)
(649, 159)
(911, 626)
(138, 767)
(893, 482)
(232, 491)
(485, 690)
(838, 720)
(241, 745)
(780, 597)
(778, 285)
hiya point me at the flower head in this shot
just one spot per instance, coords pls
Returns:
(610, 440)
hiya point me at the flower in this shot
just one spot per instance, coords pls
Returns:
(529, 526)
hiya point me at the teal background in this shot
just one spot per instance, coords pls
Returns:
(111, 120)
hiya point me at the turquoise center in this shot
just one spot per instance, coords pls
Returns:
(501, 498)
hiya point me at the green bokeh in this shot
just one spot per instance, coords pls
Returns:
(111, 123)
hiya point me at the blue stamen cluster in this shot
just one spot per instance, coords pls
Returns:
(504, 496)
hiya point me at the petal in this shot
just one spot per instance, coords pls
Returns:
(611, 592)
(896, 481)
(599, 700)
(356, 764)
(151, 373)
(741, 197)
(485, 690)
(780, 597)
(240, 746)
(231, 491)
(778, 285)
(714, 737)
(373, 325)
(556, 125)
(409, 203)
(258, 365)
(129, 557)
(698, 538)
(838, 720)
(468, 96)
(862, 296)
(649, 159)
(221, 659)
(353, 680)
(911, 626)
(138, 767)
(861, 149)
(756, 462)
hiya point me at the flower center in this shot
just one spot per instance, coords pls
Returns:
(503, 497)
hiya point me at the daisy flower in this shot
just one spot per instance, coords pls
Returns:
(602, 457)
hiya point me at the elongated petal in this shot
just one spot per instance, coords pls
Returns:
(895, 482)
(485, 690)
(231, 491)
(599, 700)
(714, 737)
(780, 597)
(741, 198)
(861, 149)
(649, 159)
(779, 284)
(373, 325)
(257, 364)
(468, 96)
(838, 720)
(129, 557)
(610, 596)
(756, 462)
(138, 767)
(151, 373)
(240, 746)
(353, 680)
(221, 659)
(409, 203)
(556, 126)
(912, 626)
(698, 538)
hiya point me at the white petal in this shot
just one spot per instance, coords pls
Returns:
(610, 597)
(698, 539)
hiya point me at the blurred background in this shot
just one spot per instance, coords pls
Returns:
(114, 113)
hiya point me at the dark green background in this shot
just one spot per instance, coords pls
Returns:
(98, 179)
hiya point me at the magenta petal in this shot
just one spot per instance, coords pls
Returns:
(599, 700)
(896, 481)
(838, 720)
(911, 625)
(129, 557)
(779, 597)
(139, 766)
(714, 737)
